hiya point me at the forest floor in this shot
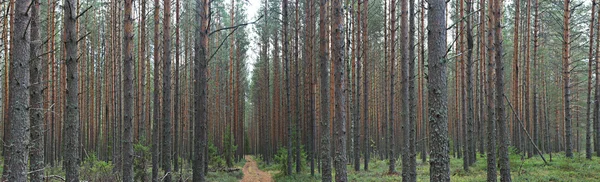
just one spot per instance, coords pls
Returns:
(528, 169)
(252, 173)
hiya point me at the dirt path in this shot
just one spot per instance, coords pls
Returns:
(253, 174)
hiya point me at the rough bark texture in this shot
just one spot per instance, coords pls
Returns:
(337, 26)
(200, 63)
(503, 160)
(71, 126)
(438, 92)
(323, 56)
(36, 153)
(16, 152)
(128, 89)
(491, 114)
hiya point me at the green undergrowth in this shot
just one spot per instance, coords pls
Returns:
(532, 169)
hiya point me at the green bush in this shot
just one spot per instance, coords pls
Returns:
(215, 160)
(97, 170)
(141, 158)
(281, 159)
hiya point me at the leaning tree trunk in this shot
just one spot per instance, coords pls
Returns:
(16, 153)
(438, 92)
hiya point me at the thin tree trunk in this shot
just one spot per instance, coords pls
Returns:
(566, 77)
(176, 105)
(470, 143)
(37, 101)
(365, 57)
(156, 104)
(588, 133)
(390, 134)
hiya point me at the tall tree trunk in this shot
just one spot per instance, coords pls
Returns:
(156, 104)
(16, 153)
(412, 102)
(515, 71)
(284, 7)
(200, 64)
(567, 77)
(176, 105)
(128, 88)
(536, 75)
(167, 142)
(438, 92)
(588, 133)
(365, 57)
(470, 143)
(392, 62)
(323, 57)
(338, 60)
(37, 101)
(491, 125)
(71, 125)
(405, 88)
(501, 117)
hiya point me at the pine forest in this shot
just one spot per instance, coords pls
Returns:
(299, 90)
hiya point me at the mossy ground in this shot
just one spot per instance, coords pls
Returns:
(532, 169)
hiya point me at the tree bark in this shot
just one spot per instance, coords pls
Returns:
(392, 62)
(438, 92)
(71, 125)
(16, 153)
(503, 160)
(491, 124)
(128, 88)
(156, 104)
(36, 110)
(323, 57)
(200, 64)
(338, 60)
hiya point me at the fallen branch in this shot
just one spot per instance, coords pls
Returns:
(55, 176)
(523, 127)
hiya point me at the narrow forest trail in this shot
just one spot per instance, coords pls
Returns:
(252, 173)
